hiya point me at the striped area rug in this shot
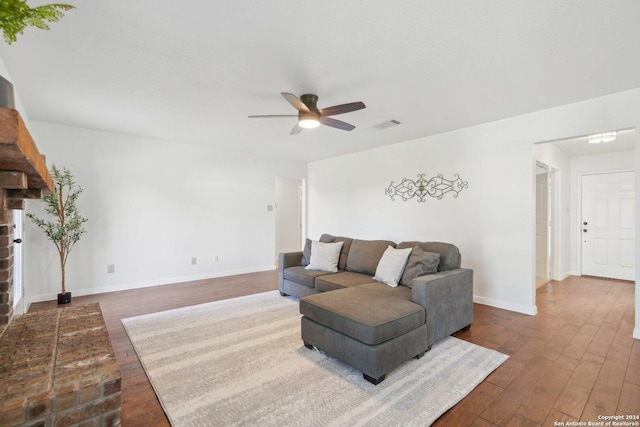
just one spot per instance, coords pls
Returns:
(241, 362)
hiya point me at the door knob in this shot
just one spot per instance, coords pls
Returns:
(584, 223)
(584, 230)
(17, 241)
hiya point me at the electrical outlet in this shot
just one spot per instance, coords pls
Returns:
(193, 261)
(111, 268)
(216, 259)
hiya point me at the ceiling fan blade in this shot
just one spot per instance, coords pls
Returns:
(293, 100)
(296, 129)
(341, 109)
(336, 123)
(270, 116)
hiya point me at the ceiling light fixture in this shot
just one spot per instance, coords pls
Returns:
(601, 137)
(308, 119)
(309, 123)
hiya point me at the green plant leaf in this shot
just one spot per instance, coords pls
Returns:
(16, 15)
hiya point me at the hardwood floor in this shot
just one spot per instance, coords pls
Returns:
(574, 361)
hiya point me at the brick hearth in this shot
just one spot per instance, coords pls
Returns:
(57, 368)
(6, 266)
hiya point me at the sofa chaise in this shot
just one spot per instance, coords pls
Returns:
(376, 326)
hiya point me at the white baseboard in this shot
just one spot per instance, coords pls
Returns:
(636, 333)
(18, 306)
(146, 284)
(532, 311)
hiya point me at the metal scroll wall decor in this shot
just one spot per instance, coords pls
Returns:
(420, 188)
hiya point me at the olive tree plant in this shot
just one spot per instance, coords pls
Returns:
(67, 225)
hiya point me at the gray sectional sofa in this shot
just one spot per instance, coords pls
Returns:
(370, 325)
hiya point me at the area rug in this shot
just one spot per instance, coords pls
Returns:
(241, 362)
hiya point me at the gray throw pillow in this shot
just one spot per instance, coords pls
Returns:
(420, 263)
(327, 238)
(306, 253)
(449, 254)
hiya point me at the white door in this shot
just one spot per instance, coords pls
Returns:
(542, 226)
(288, 214)
(17, 260)
(608, 225)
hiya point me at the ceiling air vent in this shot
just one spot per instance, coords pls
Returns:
(387, 124)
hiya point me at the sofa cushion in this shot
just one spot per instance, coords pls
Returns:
(303, 276)
(400, 291)
(327, 238)
(346, 245)
(363, 314)
(324, 256)
(343, 279)
(306, 253)
(449, 254)
(391, 265)
(420, 262)
(365, 255)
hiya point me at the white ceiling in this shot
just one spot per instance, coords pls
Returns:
(192, 71)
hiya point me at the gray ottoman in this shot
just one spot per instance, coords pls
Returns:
(371, 331)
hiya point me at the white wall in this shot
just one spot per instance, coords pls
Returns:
(491, 221)
(152, 206)
(610, 162)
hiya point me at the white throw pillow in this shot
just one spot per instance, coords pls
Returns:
(324, 256)
(392, 265)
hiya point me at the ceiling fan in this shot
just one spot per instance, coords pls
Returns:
(309, 116)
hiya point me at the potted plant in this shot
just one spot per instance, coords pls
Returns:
(66, 228)
(16, 15)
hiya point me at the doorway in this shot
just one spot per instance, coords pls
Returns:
(544, 223)
(607, 225)
(289, 214)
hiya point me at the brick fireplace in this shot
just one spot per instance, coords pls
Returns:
(6, 266)
(23, 175)
(57, 368)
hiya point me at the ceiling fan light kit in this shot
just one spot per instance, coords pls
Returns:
(309, 116)
(308, 119)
